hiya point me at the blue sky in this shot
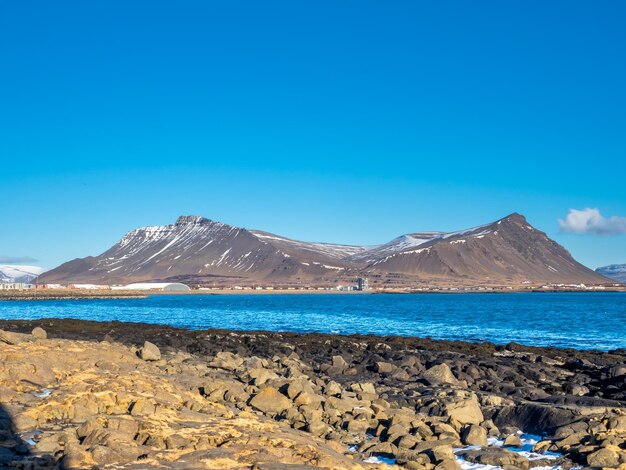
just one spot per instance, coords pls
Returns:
(350, 121)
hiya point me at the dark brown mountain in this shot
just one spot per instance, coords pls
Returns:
(201, 251)
(507, 250)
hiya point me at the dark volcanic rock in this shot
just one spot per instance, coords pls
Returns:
(535, 418)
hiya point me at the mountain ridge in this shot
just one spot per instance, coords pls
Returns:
(18, 273)
(614, 271)
(201, 250)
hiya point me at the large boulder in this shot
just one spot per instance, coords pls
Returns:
(39, 333)
(618, 370)
(535, 418)
(226, 360)
(12, 338)
(143, 407)
(260, 376)
(496, 457)
(297, 386)
(465, 411)
(440, 374)
(474, 435)
(512, 440)
(384, 367)
(270, 401)
(603, 458)
(150, 352)
(618, 423)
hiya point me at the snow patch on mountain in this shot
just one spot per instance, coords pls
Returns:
(614, 271)
(331, 250)
(19, 273)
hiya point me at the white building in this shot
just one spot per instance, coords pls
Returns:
(155, 286)
(89, 286)
(15, 286)
(12, 286)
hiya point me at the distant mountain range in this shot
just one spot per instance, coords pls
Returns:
(614, 271)
(201, 251)
(18, 273)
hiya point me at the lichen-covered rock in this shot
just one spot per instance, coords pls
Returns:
(440, 374)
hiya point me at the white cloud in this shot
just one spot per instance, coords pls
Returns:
(17, 259)
(590, 221)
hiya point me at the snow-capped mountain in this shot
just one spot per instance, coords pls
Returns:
(18, 273)
(614, 271)
(202, 251)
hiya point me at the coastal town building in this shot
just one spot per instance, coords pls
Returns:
(155, 286)
(89, 286)
(14, 286)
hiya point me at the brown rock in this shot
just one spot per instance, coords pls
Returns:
(448, 464)
(357, 426)
(177, 441)
(226, 361)
(618, 423)
(465, 411)
(332, 388)
(408, 442)
(440, 374)
(271, 401)
(261, 376)
(298, 386)
(496, 457)
(384, 367)
(39, 333)
(9, 337)
(512, 441)
(340, 362)
(75, 456)
(604, 458)
(442, 453)
(143, 407)
(318, 428)
(306, 398)
(474, 435)
(150, 352)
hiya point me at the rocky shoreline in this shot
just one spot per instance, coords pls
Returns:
(78, 394)
(68, 294)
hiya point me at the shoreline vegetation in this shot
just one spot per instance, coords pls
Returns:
(76, 294)
(134, 395)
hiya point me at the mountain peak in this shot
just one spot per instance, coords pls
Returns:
(515, 217)
(192, 220)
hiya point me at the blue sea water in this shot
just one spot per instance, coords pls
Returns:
(579, 320)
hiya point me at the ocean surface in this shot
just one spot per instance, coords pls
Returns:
(578, 320)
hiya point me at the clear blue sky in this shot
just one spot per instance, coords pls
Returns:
(351, 121)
